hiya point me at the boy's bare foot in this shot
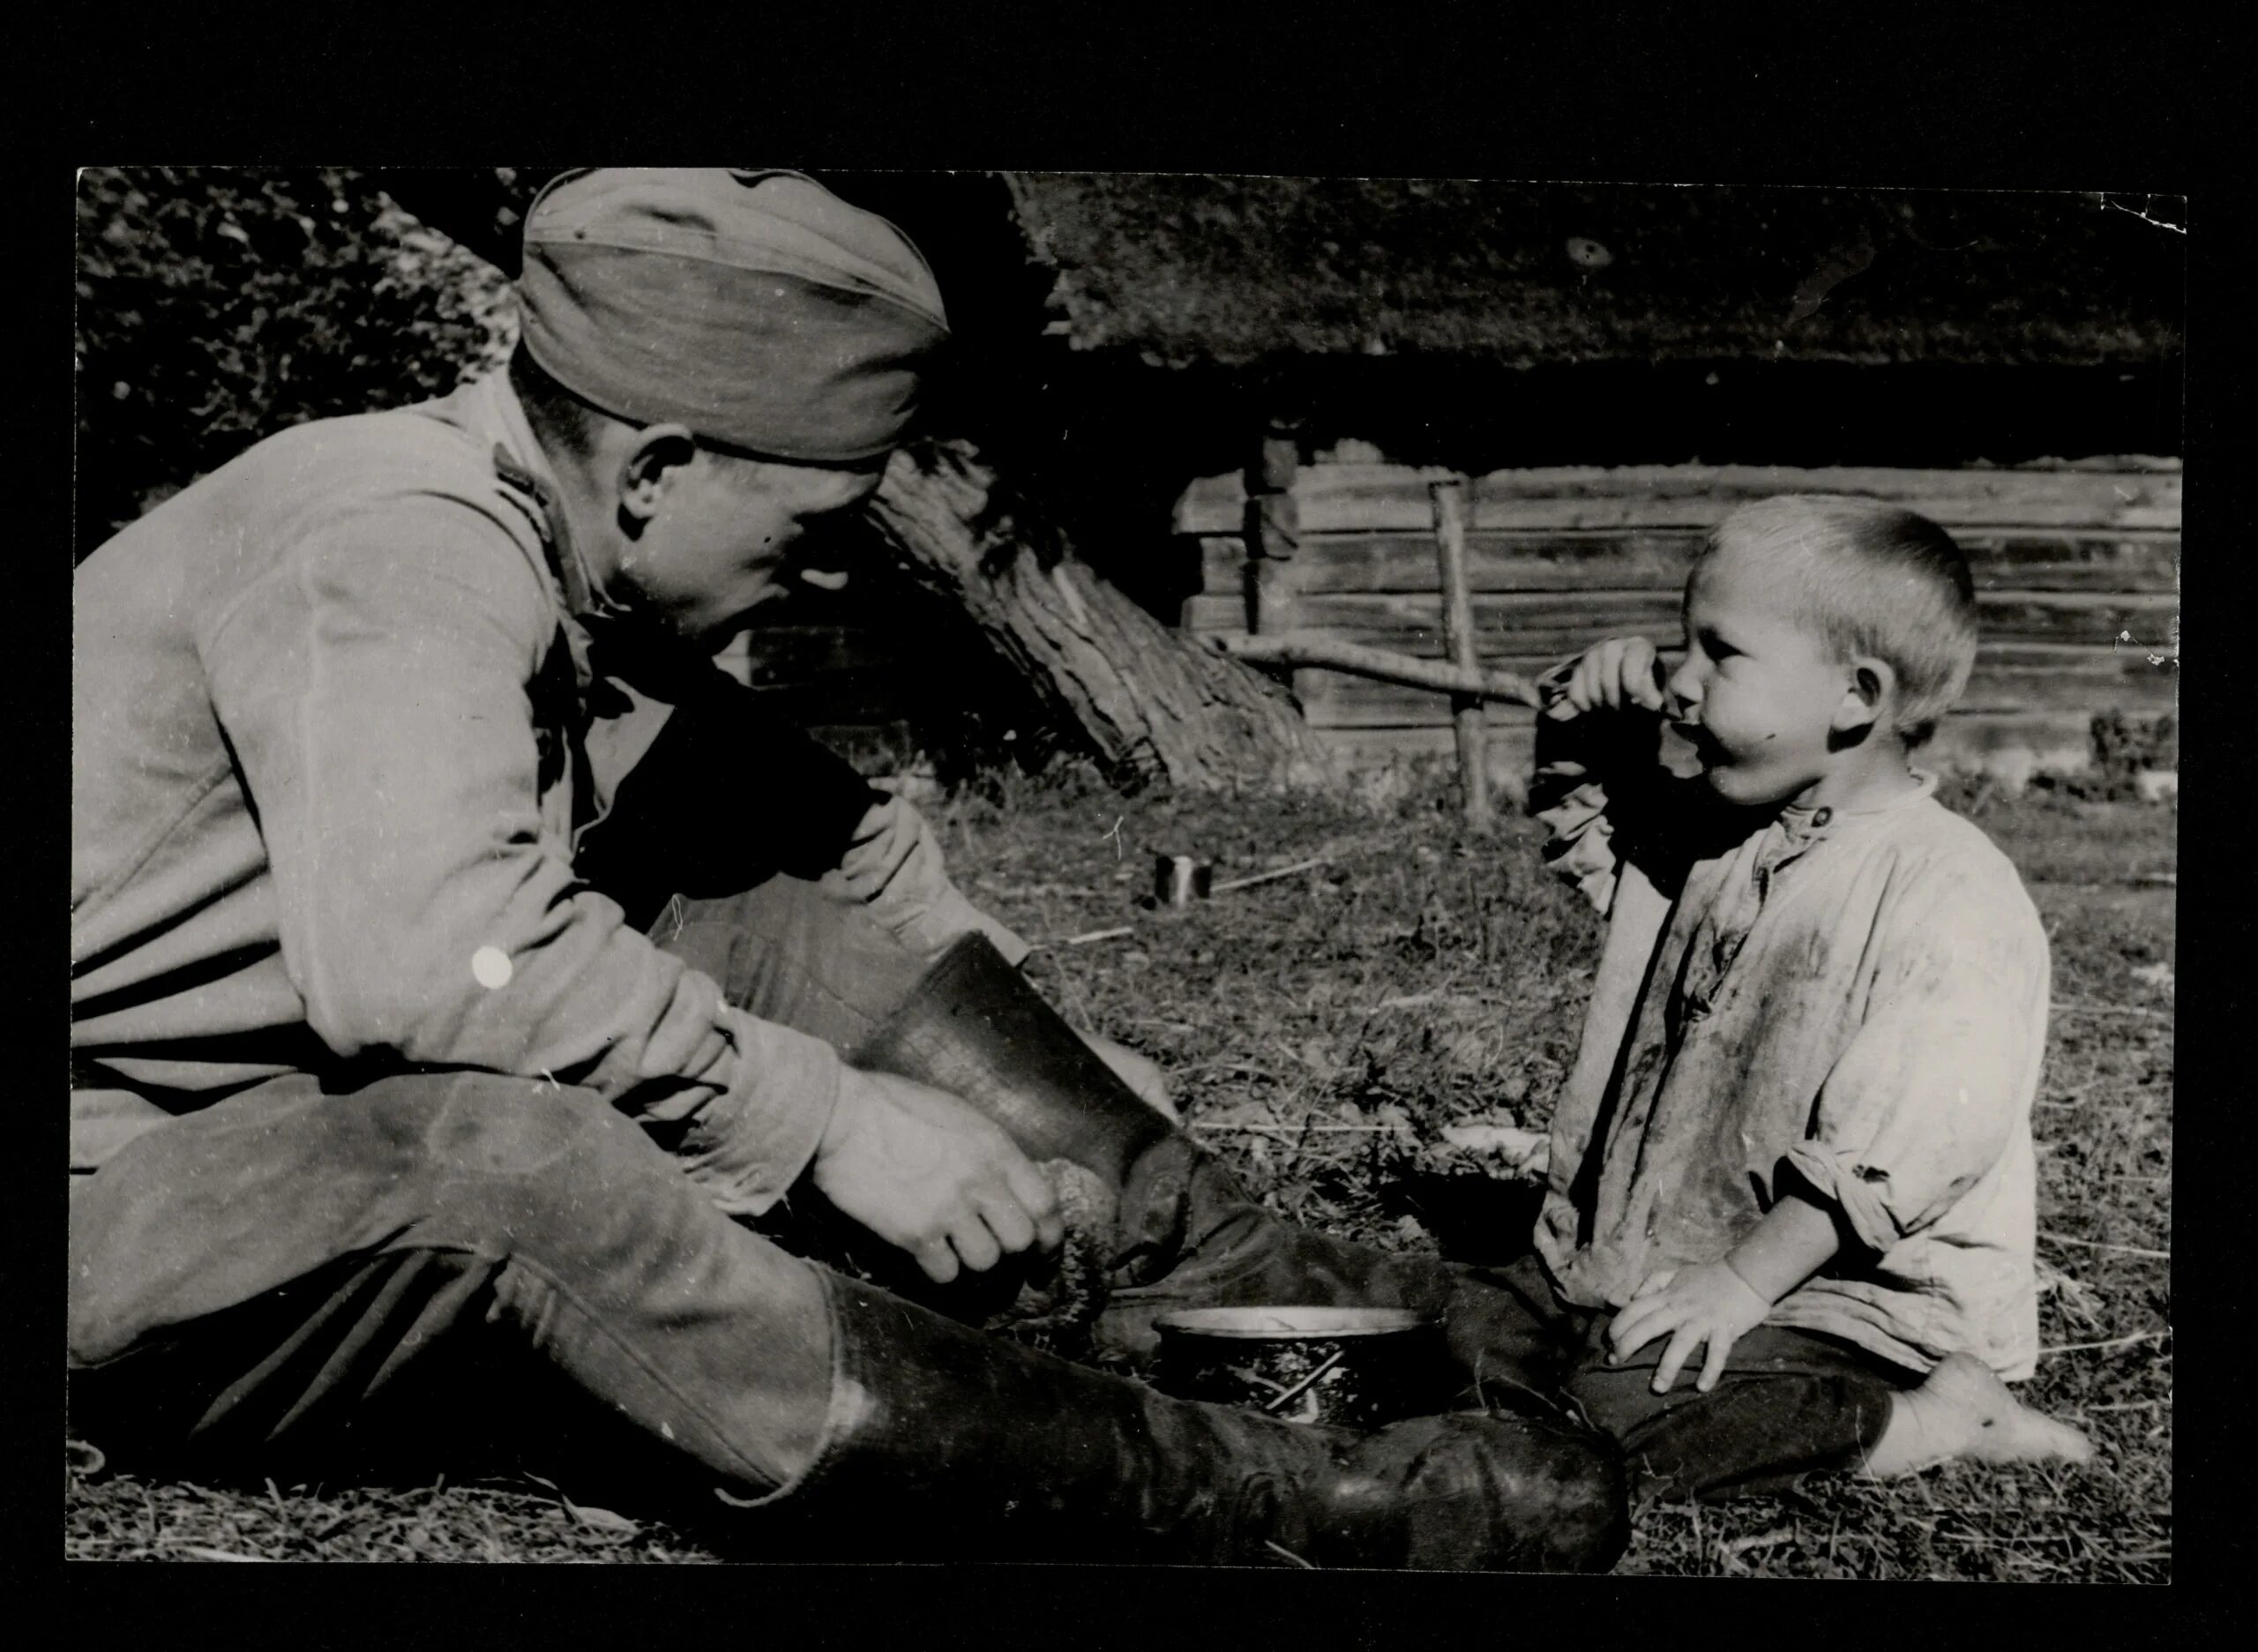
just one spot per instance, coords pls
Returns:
(1965, 1410)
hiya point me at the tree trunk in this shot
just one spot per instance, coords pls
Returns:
(1149, 702)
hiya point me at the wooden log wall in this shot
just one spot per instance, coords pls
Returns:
(839, 674)
(2076, 572)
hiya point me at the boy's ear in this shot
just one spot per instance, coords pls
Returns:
(1873, 684)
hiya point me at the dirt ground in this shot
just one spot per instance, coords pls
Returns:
(1323, 1030)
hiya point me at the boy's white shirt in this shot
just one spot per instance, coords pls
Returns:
(1872, 1012)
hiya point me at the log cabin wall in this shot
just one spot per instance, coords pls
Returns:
(2076, 570)
(852, 681)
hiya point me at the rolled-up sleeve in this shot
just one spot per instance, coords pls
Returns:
(1925, 1097)
(376, 687)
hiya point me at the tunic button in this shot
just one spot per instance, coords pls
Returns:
(1823, 817)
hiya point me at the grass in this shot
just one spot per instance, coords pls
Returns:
(1321, 1030)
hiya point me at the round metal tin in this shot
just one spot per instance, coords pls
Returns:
(1349, 1367)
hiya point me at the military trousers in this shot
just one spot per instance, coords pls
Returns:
(324, 1273)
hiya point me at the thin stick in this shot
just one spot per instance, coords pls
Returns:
(1085, 938)
(281, 1510)
(1309, 648)
(1416, 1000)
(1988, 1538)
(2103, 1245)
(1264, 877)
(2114, 1341)
(1306, 1130)
(1733, 1548)
(1302, 1387)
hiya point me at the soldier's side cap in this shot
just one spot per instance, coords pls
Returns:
(757, 307)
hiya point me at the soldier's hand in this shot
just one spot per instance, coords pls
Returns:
(1622, 671)
(928, 1174)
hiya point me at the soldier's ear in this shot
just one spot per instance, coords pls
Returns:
(659, 451)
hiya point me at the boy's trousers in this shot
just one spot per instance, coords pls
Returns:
(316, 1262)
(1789, 1403)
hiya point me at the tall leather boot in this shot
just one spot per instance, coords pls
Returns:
(945, 1443)
(1186, 1234)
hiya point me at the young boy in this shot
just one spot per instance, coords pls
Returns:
(1795, 1145)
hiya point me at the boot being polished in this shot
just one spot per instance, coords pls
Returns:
(1025, 1456)
(1186, 1234)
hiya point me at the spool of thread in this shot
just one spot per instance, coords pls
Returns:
(1179, 879)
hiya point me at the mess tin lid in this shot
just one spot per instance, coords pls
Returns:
(1276, 1323)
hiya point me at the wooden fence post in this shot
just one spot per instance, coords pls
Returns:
(1273, 534)
(1273, 537)
(1467, 716)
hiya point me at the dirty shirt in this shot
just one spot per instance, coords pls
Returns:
(1850, 1004)
(340, 720)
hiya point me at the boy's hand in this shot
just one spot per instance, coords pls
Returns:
(1620, 672)
(1705, 1304)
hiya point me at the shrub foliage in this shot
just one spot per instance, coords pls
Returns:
(218, 305)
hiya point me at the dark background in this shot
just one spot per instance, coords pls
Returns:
(216, 304)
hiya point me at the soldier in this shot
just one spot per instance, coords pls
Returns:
(456, 955)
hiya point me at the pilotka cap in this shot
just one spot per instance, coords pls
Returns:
(756, 308)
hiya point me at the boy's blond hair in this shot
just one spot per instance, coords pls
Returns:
(1869, 578)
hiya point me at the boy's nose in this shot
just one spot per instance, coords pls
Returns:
(1680, 688)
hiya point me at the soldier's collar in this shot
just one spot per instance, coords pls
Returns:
(554, 532)
(519, 465)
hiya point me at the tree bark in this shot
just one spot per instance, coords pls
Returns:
(1150, 703)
